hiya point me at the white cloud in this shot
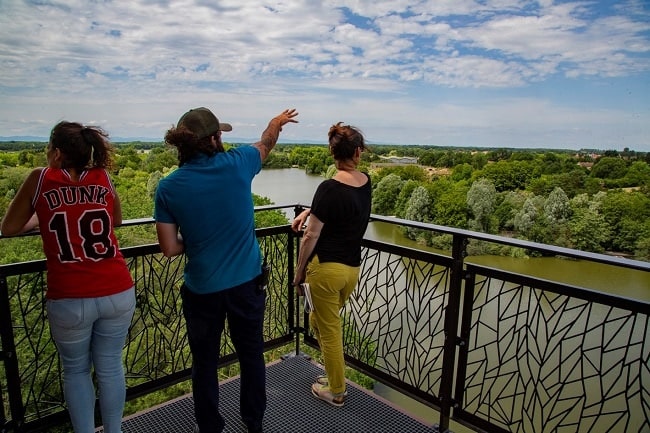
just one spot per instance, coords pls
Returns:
(136, 65)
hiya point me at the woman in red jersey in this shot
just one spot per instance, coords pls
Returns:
(90, 294)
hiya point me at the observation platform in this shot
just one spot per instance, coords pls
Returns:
(291, 408)
(483, 348)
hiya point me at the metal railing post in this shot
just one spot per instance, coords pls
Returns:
(10, 361)
(451, 330)
(295, 245)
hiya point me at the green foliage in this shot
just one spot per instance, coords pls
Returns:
(625, 213)
(642, 251)
(589, 230)
(556, 207)
(462, 172)
(315, 159)
(21, 249)
(269, 218)
(528, 203)
(404, 172)
(417, 209)
(11, 178)
(507, 204)
(385, 194)
(132, 188)
(509, 176)
(526, 218)
(152, 183)
(638, 174)
(159, 159)
(277, 160)
(404, 196)
(481, 201)
(609, 167)
(572, 183)
(128, 157)
(450, 206)
(331, 172)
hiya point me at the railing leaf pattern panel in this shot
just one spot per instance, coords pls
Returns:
(276, 321)
(38, 360)
(156, 345)
(543, 362)
(394, 320)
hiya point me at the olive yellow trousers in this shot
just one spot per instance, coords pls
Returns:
(331, 285)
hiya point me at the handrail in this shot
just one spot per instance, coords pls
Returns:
(520, 243)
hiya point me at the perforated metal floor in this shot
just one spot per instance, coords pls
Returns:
(291, 408)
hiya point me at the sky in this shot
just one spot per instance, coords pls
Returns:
(471, 73)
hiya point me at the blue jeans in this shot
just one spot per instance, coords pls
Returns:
(205, 316)
(91, 332)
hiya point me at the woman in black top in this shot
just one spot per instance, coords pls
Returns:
(330, 253)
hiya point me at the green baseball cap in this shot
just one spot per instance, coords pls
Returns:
(202, 122)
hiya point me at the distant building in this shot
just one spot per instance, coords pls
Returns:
(399, 159)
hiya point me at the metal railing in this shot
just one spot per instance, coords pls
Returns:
(489, 348)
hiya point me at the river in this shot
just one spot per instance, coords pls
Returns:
(292, 185)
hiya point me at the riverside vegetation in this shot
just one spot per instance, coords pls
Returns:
(590, 201)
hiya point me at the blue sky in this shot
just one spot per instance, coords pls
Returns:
(502, 73)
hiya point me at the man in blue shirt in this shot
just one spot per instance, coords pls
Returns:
(205, 210)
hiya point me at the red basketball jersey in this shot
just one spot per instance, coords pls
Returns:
(76, 224)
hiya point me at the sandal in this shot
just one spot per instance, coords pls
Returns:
(323, 392)
(322, 380)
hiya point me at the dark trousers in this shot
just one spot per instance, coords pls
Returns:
(205, 316)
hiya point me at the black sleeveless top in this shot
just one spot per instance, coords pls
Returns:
(344, 211)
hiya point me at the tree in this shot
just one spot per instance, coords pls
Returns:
(406, 172)
(609, 168)
(589, 231)
(638, 174)
(625, 213)
(331, 172)
(404, 196)
(159, 158)
(510, 176)
(385, 195)
(270, 218)
(481, 201)
(317, 165)
(277, 160)
(556, 213)
(418, 209)
(127, 157)
(551, 163)
(525, 219)
(152, 183)
(479, 160)
(509, 203)
(642, 251)
(557, 208)
(450, 206)
(462, 172)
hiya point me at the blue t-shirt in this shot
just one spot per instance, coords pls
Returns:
(210, 200)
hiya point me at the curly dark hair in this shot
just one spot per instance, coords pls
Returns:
(188, 144)
(82, 146)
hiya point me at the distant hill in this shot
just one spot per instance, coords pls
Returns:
(237, 140)
(24, 138)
